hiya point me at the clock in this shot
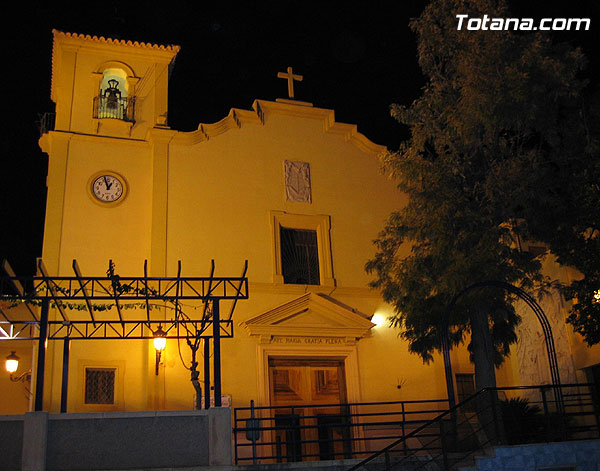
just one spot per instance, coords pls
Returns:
(108, 187)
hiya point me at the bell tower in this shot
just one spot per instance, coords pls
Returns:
(107, 154)
(109, 87)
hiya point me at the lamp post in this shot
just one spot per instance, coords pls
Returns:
(160, 342)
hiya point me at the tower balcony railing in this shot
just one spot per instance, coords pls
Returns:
(115, 108)
(46, 122)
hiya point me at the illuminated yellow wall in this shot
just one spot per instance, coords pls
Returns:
(218, 193)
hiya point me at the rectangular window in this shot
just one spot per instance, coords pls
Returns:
(465, 388)
(100, 385)
(299, 256)
(301, 249)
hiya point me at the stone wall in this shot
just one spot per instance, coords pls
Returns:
(38, 441)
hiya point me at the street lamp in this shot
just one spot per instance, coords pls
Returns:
(12, 362)
(160, 342)
(12, 365)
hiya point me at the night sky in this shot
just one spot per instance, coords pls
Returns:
(356, 58)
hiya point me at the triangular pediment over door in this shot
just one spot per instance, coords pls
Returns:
(311, 318)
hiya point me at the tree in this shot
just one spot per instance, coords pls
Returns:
(495, 107)
(566, 215)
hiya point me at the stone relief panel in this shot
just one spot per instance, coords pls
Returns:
(532, 360)
(297, 182)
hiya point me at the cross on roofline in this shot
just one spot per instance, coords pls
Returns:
(290, 76)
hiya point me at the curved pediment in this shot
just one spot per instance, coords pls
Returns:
(237, 118)
(310, 316)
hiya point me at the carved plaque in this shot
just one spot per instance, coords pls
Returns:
(278, 339)
(297, 182)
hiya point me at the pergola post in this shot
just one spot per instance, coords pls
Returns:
(41, 358)
(206, 341)
(217, 351)
(65, 375)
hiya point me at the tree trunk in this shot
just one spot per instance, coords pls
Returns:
(483, 351)
(488, 406)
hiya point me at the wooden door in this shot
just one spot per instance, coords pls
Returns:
(311, 423)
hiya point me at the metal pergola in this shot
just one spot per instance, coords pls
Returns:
(78, 318)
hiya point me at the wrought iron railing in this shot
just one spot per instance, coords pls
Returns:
(492, 417)
(312, 432)
(116, 108)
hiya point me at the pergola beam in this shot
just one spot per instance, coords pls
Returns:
(108, 330)
(146, 289)
(85, 295)
(243, 277)
(50, 284)
(65, 290)
(17, 286)
(116, 295)
(61, 290)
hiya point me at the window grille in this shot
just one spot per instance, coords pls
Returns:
(299, 256)
(100, 385)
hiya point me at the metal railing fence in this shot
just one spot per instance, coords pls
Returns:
(493, 417)
(306, 432)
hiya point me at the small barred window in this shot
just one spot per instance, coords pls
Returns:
(299, 256)
(100, 385)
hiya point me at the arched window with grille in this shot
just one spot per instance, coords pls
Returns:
(114, 99)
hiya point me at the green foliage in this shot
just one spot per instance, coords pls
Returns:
(525, 423)
(566, 213)
(497, 107)
(522, 422)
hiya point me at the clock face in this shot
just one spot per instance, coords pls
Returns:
(107, 188)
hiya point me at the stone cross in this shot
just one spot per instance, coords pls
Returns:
(290, 78)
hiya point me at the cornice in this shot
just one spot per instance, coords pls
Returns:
(73, 136)
(330, 125)
(86, 38)
(234, 120)
(279, 288)
(261, 108)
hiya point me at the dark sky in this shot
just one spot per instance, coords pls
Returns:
(356, 58)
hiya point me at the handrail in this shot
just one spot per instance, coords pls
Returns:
(297, 432)
(347, 404)
(454, 411)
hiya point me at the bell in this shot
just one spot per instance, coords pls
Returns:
(112, 94)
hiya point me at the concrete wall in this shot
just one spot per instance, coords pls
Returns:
(11, 441)
(38, 441)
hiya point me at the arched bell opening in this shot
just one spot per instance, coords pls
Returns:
(114, 99)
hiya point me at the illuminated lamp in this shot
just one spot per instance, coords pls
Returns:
(12, 363)
(160, 342)
(378, 319)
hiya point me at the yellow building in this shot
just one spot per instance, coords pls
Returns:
(284, 186)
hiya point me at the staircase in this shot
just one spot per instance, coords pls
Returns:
(517, 428)
(581, 455)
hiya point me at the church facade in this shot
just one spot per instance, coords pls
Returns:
(282, 185)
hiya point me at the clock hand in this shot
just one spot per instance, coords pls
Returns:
(108, 185)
